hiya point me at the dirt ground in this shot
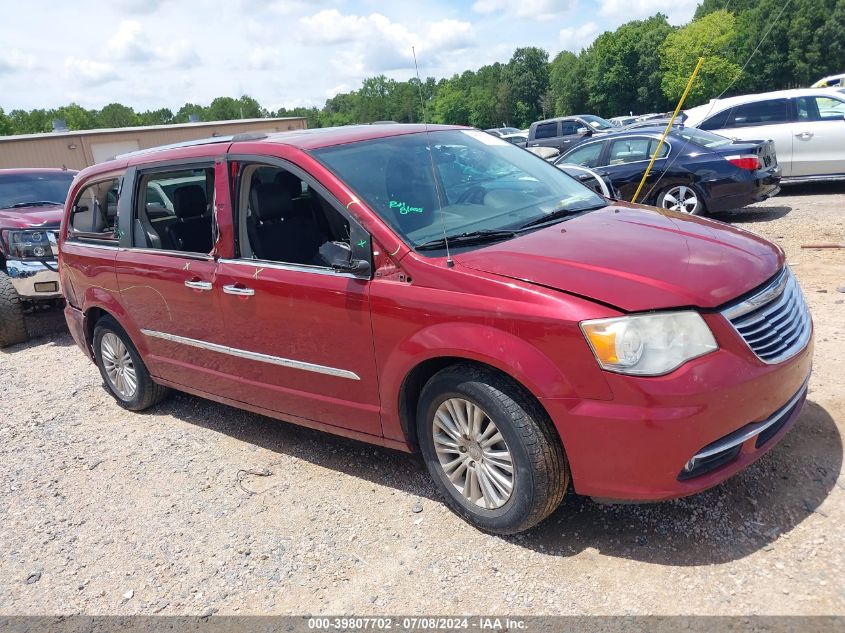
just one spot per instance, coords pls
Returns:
(103, 511)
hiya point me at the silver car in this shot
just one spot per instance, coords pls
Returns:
(807, 126)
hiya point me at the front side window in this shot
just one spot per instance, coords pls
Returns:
(22, 191)
(586, 155)
(568, 128)
(820, 109)
(546, 130)
(94, 212)
(454, 181)
(173, 211)
(284, 220)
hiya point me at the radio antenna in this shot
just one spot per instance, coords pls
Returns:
(449, 262)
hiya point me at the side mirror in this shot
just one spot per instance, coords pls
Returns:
(355, 266)
(584, 131)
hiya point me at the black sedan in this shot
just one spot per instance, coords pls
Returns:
(696, 172)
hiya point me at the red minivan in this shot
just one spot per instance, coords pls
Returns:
(439, 289)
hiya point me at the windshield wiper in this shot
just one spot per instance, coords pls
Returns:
(557, 214)
(473, 237)
(36, 203)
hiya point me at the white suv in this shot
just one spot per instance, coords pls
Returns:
(807, 126)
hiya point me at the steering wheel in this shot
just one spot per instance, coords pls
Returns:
(473, 195)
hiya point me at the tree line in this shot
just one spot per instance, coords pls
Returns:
(642, 66)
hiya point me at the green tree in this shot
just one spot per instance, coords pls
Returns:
(186, 111)
(76, 117)
(566, 78)
(117, 115)
(5, 124)
(162, 116)
(706, 37)
(32, 122)
(527, 74)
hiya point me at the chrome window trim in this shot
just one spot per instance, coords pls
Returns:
(298, 268)
(78, 242)
(167, 252)
(256, 356)
(744, 434)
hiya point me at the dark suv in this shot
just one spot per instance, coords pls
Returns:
(564, 132)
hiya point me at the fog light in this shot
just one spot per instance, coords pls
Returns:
(47, 286)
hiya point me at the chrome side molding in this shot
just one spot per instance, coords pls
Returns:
(256, 356)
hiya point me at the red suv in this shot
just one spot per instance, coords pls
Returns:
(443, 290)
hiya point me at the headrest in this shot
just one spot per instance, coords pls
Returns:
(411, 194)
(189, 201)
(291, 183)
(270, 201)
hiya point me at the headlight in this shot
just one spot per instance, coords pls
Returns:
(28, 244)
(649, 344)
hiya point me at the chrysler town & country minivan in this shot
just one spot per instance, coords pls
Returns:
(439, 289)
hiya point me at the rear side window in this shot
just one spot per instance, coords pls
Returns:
(93, 215)
(769, 112)
(546, 130)
(588, 155)
(173, 211)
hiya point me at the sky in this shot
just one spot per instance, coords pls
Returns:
(150, 54)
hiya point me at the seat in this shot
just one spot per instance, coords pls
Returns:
(280, 232)
(411, 195)
(192, 230)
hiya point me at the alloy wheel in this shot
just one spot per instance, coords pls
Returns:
(119, 367)
(473, 453)
(680, 198)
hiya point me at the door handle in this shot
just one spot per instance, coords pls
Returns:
(238, 290)
(804, 135)
(198, 285)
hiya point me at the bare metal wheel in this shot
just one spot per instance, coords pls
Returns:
(473, 453)
(120, 370)
(681, 198)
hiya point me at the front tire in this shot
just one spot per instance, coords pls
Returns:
(490, 449)
(683, 199)
(124, 373)
(12, 324)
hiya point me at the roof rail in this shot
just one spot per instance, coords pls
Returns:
(248, 136)
(202, 141)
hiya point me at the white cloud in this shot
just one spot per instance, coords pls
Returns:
(542, 10)
(677, 11)
(14, 61)
(576, 38)
(376, 44)
(130, 44)
(264, 57)
(90, 72)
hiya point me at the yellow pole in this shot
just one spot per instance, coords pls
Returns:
(668, 128)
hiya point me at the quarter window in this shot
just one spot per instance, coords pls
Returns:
(546, 130)
(173, 211)
(94, 212)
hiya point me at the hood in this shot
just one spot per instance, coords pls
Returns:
(635, 258)
(27, 217)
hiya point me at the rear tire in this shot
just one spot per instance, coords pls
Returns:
(490, 449)
(124, 373)
(683, 199)
(12, 324)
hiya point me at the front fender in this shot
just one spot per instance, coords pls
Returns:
(520, 360)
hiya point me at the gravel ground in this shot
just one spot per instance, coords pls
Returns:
(103, 511)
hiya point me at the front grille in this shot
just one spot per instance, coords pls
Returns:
(775, 322)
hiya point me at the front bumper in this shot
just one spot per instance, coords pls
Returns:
(34, 279)
(639, 445)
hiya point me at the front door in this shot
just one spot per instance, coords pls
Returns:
(818, 136)
(166, 278)
(298, 330)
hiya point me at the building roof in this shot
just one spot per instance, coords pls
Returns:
(166, 126)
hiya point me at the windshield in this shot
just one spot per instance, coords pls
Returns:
(702, 137)
(596, 122)
(483, 183)
(22, 190)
